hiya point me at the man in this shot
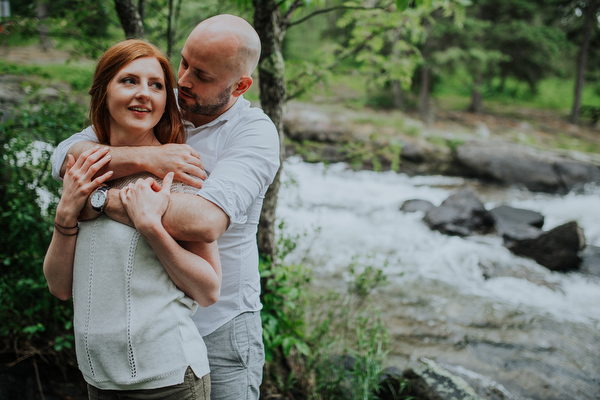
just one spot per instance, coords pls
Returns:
(238, 147)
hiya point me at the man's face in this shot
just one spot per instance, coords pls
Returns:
(205, 87)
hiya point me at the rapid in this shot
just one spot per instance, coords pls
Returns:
(505, 324)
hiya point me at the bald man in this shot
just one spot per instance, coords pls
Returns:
(235, 148)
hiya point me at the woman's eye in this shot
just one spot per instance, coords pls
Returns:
(127, 80)
(158, 85)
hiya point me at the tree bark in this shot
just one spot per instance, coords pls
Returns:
(590, 13)
(397, 93)
(130, 18)
(41, 10)
(424, 112)
(267, 22)
(476, 105)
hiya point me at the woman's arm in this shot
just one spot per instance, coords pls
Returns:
(195, 267)
(78, 183)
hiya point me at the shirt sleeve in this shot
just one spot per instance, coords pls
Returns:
(60, 153)
(246, 167)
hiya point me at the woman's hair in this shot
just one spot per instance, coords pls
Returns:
(170, 127)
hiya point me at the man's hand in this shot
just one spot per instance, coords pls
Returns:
(181, 159)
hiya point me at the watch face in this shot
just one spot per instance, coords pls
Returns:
(97, 199)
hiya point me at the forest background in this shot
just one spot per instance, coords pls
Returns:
(418, 57)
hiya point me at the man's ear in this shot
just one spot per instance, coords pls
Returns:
(243, 85)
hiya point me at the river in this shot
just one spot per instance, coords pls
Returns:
(508, 326)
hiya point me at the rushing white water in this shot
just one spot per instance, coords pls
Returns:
(343, 215)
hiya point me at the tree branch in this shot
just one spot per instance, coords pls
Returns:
(288, 15)
(318, 76)
(336, 8)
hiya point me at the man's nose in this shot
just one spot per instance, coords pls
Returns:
(183, 80)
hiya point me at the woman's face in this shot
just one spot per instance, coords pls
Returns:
(136, 99)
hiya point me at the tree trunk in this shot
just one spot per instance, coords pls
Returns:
(41, 11)
(130, 18)
(398, 94)
(424, 112)
(396, 85)
(170, 29)
(590, 13)
(272, 98)
(267, 22)
(476, 105)
(142, 8)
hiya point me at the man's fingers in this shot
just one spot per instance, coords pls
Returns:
(167, 181)
(189, 180)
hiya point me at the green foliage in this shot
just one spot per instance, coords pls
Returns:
(31, 317)
(349, 341)
(378, 153)
(383, 41)
(78, 76)
(334, 344)
(13, 69)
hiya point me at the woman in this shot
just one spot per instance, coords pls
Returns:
(134, 290)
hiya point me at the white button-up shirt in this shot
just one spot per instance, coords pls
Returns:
(240, 154)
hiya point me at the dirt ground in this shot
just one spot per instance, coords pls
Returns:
(33, 55)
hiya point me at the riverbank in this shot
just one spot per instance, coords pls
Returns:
(441, 305)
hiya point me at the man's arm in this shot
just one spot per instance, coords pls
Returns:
(195, 267)
(181, 159)
(188, 217)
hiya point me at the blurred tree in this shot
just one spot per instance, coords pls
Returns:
(519, 31)
(580, 18)
(498, 39)
(131, 20)
(383, 42)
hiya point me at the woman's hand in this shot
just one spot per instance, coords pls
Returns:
(79, 183)
(146, 202)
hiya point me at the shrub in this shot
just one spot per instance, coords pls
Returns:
(33, 321)
(323, 346)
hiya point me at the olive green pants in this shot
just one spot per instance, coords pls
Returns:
(192, 388)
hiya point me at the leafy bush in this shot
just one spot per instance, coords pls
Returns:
(321, 346)
(33, 321)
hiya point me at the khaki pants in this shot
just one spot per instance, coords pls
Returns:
(192, 388)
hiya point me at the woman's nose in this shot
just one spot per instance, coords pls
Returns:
(143, 91)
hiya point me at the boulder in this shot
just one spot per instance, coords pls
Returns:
(461, 214)
(305, 123)
(557, 249)
(516, 223)
(429, 381)
(416, 205)
(512, 164)
(591, 260)
(575, 175)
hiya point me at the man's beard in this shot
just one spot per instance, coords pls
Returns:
(205, 109)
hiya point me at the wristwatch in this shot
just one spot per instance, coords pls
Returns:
(98, 198)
